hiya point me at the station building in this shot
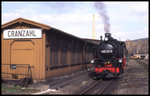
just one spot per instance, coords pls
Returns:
(29, 48)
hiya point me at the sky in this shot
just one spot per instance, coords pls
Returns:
(128, 20)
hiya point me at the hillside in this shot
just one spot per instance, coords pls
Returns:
(138, 46)
(142, 39)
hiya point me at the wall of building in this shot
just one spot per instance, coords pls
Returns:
(56, 53)
(23, 51)
(65, 54)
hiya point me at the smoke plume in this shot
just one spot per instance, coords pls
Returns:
(103, 13)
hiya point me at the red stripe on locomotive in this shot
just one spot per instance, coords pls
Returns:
(112, 69)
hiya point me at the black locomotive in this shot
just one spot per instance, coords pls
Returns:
(110, 56)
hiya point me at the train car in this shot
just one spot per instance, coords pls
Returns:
(136, 56)
(110, 57)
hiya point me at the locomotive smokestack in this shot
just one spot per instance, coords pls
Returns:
(103, 13)
(108, 35)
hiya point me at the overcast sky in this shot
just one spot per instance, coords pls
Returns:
(128, 20)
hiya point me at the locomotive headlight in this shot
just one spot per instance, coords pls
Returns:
(92, 61)
(106, 39)
(120, 60)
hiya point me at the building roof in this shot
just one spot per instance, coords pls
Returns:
(25, 21)
(43, 26)
(94, 41)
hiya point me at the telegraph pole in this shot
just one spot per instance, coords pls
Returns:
(93, 26)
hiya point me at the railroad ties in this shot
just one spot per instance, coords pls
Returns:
(98, 87)
(145, 65)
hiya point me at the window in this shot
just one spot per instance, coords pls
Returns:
(54, 51)
(64, 48)
(73, 52)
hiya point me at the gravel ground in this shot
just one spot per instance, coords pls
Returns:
(133, 81)
(75, 85)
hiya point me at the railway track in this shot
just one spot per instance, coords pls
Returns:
(101, 85)
(143, 64)
(59, 83)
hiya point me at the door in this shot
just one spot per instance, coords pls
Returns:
(22, 53)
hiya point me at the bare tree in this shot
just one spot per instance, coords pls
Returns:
(129, 46)
(140, 46)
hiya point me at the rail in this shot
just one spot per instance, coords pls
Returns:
(143, 64)
(95, 84)
(101, 91)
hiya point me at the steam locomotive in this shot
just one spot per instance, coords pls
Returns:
(110, 57)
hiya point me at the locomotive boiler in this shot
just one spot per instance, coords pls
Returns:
(110, 56)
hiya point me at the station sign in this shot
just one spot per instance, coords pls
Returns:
(22, 33)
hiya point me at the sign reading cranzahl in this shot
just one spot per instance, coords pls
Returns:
(22, 33)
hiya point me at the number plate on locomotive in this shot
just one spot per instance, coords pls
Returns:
(106, 51)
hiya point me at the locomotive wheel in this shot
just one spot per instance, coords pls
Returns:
(121, 70)
(116, 76)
